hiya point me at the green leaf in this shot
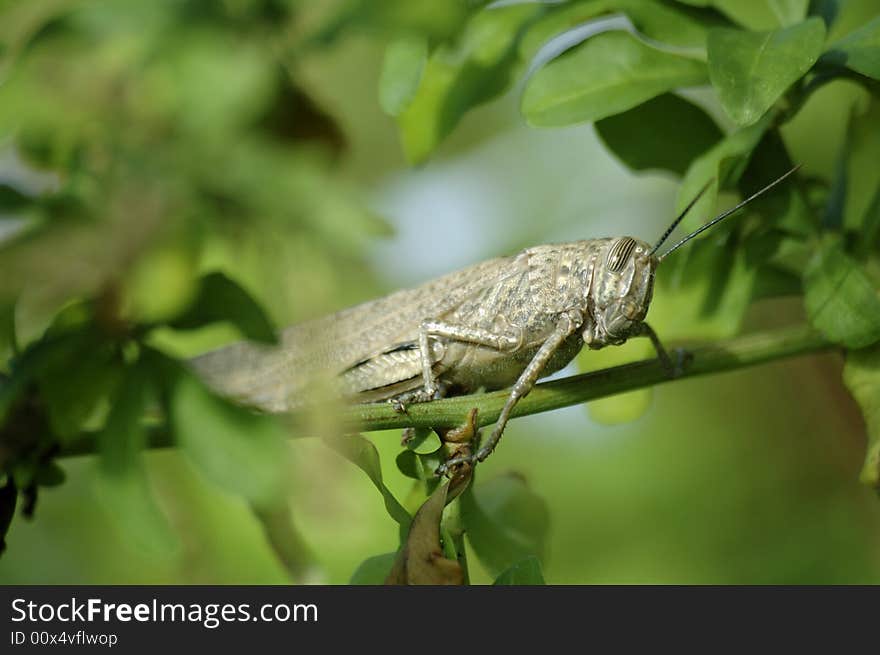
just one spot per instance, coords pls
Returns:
(12, 200)
(841, 301)
(49, 474)
(459, 77)
(409, 464)
(762, 14)
(78, 371)
(217, 83)
(784, 207)
(8, 340)
(605, 75)
(558, 20)
(419, 466)
(401, 72)
(239, 450)
(789, 12)
(74, 366)
(123, 437)
(862, 172)
(773, 282)
(666, 24)
(163, 283)
(373, 570)
(666, 132)
(222, 299)
(861, 374)
(438, 19)
(13, 387)
(122, 484)
(8, 498)
(858, 51)
(751, 70)
(827, 10)
(505, 522)
(706, 293)
(525, 572)
(871, 226)
(424, 441)
(52, 351)
(363, 454)
(721, 167)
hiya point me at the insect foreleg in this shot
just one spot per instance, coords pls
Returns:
(674, 370)
(462, 333)
(566, 325)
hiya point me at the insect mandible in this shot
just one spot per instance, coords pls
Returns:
(505, 322)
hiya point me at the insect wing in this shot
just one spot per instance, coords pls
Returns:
(279, 378)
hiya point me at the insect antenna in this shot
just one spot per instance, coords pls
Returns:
(678, 219)
(723, 215)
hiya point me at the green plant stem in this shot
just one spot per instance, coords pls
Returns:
(729, 355)
(748, 350)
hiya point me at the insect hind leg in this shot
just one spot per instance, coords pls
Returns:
(566, 325)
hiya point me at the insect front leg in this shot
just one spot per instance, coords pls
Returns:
(673, 369)
(566, 325)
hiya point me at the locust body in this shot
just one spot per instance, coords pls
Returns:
(501, 323)
(505, 322)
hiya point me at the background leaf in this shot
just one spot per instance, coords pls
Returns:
(785, 207)
(504, 521)
(401, 72)
(419, 467)
(459, 77)
(77, 372)
(666, 132)
(424, 442)
(363, 454)
(525, 572)
(122, 484)
(789, 11)
(605, 75)
(12, 200)
(235, 448)
(858, 51)
(8, 498)
(221, 299)
(721, 166)
(665, 25)
(840, 298)
(862, 175)
(861, 374)
(751, 70)
(373, 570)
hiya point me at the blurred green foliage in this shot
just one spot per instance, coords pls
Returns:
(174, 176)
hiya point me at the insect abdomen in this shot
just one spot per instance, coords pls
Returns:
(393, 371)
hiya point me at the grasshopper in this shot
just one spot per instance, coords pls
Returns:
(505, 322)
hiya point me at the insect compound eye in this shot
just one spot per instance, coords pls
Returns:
(619, 254)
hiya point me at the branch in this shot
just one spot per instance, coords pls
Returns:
(719, 357)
(729, 355)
